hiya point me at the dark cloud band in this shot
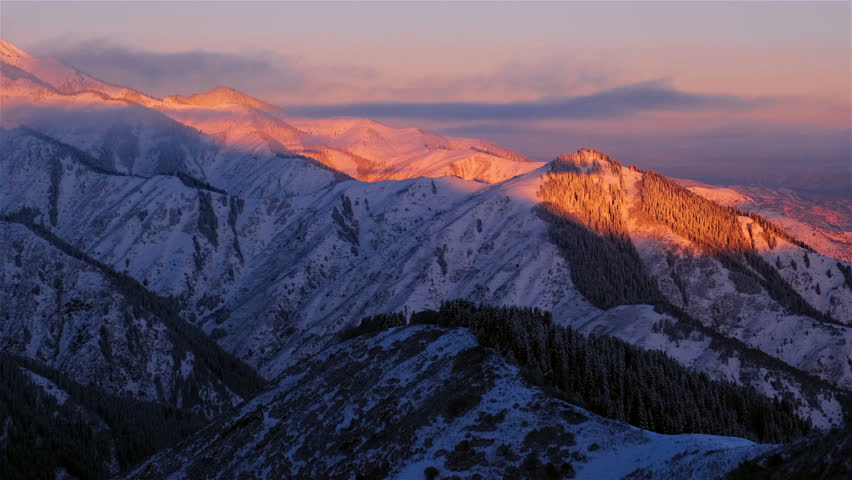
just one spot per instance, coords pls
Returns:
(616, 102)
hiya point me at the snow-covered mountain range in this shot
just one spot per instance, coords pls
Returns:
(168, 249)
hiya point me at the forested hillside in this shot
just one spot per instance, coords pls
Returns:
(706, 223)
(584, 199)
(826, 456)
(585, 211)
(612, 378)
(718, 231)
(52, 426)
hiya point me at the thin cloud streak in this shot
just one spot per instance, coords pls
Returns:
(289, 79)
(167, 73)
(613, 103)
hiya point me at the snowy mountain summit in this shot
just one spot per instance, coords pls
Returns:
(7, 50)
(338, 298)
(217, 96)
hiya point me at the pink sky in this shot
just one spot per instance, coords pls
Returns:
(390, 50)
(775, 66)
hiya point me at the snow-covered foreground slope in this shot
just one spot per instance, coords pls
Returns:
(406, 399)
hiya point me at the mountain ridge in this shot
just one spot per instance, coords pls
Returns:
(256, 125)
